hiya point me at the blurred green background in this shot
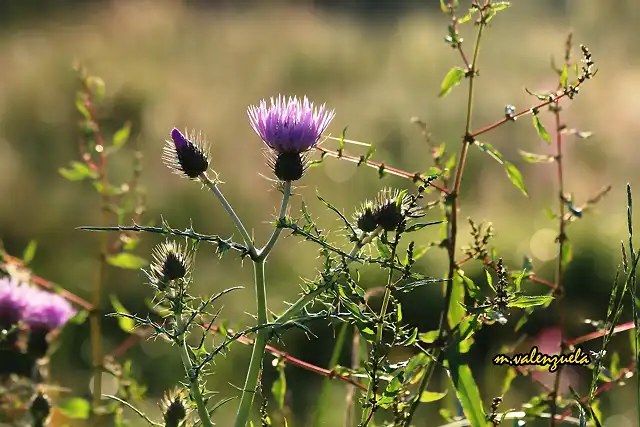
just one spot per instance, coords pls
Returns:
(199, 64)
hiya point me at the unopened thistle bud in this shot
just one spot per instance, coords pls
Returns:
(170, 263)
(40, 409)
(289, 129)
(186, 156)
(387, 211)
(174, 408)
(365, 217)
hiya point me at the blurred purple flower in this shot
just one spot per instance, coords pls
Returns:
(47, 311)
(36, 308)
(289, 126)
(14, 297)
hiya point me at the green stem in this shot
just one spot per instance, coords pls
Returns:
(383, 313)
(286, 193)
(213, 186)
(193, 382)
(257, 354)
(260, 343)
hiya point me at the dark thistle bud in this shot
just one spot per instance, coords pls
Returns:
(390, 209)
(365, 218)
(288, 165)
(290, 129)
(40, 409)
(170, 263)
(389, 212)
(174, 408)
(186, 156)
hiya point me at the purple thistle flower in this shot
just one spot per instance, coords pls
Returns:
(290, 129)
(47, 311)
(14, 298)
(186, 156)
(36, 308)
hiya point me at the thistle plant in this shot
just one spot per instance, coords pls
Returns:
(396, 366)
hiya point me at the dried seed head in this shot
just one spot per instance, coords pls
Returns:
(186, 156)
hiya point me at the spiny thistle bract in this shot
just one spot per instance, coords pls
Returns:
(186, 156)
(387, 211)
(174, 407)
(170, 263)
(289, 128)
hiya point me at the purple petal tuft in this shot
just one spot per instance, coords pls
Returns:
(289, 125)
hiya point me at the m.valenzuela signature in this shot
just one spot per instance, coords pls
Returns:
(534, 357)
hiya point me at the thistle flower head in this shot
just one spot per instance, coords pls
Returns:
(47, 311)
(387, 211)
(186, 156)
(170, 262)
(289, 128)
(36, 308)
(14, 297)
(174, 407)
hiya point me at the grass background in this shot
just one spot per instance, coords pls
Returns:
(199, 65)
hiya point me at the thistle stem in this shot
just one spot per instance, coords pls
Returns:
(286, 193)
(203, 413)
(213, 186)
(260, 343)
(257, 353)
(380, 330)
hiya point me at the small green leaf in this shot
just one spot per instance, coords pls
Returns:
(526, 301)
(468, 16)
(79, 318)
(392, 390)
(428, 337)
(515, 176)
(81, 106)
(96, 84)
(567, 253)
(126, 260)
(453, 78)
(564, 76)
(76, 408)
(489, 280)
(443, 6)
(29, 252)
(383, 249)
(122, 135)
(490, 150)
(127, 324)
(431, 396)
(500, 5)
(536, 158)
(542, 132)
(77, 172)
